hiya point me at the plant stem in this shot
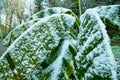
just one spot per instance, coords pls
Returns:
(79, 4)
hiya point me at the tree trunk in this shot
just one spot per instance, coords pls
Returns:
(10, 25)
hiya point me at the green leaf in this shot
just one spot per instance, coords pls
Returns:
(16, 32)
(47, 48)
(94, 60)
(33, 46)
(5, 71)
(48, 12)
(110, 15)
(62, 66)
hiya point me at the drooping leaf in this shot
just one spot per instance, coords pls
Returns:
(54, 10)
(16, 32)
(47, 50)
(48, 12)
(60, 63)
(110, 15)
(36, 43)
(94, 60)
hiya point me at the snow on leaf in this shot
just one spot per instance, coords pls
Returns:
(16, 32)
(110, 15)
(61, 67)
(47, 49)
(94, 60)
(48, 12)
(5, 71)
(36, 43)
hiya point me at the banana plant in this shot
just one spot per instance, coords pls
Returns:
(14, 34)
(110, 15)
(52, 48)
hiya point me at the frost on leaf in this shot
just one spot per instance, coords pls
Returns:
(5, 71)
(48, 12)
(110, 15)
(60, 63)
(95, 59)
(45, 48)
(33, 46)
(16, 32)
